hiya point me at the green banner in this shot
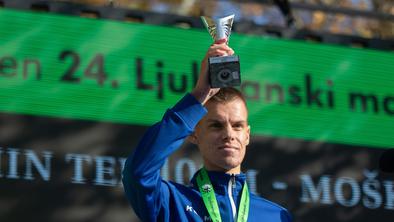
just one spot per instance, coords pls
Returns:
(69, 67)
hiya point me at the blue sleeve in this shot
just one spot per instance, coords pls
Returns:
(286, 216)
(143, 185)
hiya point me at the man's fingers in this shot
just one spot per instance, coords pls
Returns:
(220, 50)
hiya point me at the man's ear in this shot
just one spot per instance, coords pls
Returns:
(192, 138)
(248, 135)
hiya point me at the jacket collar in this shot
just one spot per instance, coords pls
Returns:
(220, 181)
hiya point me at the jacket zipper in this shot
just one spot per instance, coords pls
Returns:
(231, 186)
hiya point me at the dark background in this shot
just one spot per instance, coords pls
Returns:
(274, 159)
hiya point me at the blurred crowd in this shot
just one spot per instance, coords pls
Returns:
(268, 14)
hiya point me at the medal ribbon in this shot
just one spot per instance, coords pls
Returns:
(209, 198)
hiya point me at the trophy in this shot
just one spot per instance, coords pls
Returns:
(223, 70)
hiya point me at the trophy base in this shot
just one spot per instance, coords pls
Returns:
(224, 71)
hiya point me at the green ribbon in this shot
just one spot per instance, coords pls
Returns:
(209, 198)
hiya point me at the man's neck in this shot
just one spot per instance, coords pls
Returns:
(236, 170)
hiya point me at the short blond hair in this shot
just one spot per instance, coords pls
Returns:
(227, 94)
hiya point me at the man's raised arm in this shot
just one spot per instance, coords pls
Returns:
(145, 189)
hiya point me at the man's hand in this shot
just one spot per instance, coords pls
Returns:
(203, 91)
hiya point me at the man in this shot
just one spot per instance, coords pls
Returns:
(216, 121)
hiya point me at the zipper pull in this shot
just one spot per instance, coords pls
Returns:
(233, 181)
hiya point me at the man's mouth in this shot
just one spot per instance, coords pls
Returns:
(228, 147)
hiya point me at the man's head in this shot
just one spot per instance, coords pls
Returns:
(223, 134)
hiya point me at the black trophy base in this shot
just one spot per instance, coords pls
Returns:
(224, 71)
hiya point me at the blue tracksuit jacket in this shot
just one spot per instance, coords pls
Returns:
(155, 199)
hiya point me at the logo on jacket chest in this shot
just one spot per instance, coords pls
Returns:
(191, 209)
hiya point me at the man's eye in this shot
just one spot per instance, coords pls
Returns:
(216, 125)
(238, 126)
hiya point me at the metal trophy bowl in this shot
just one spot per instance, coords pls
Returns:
(224, 71)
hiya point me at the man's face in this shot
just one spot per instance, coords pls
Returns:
(222, 136)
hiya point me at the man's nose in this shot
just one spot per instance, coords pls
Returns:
(228, 133)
